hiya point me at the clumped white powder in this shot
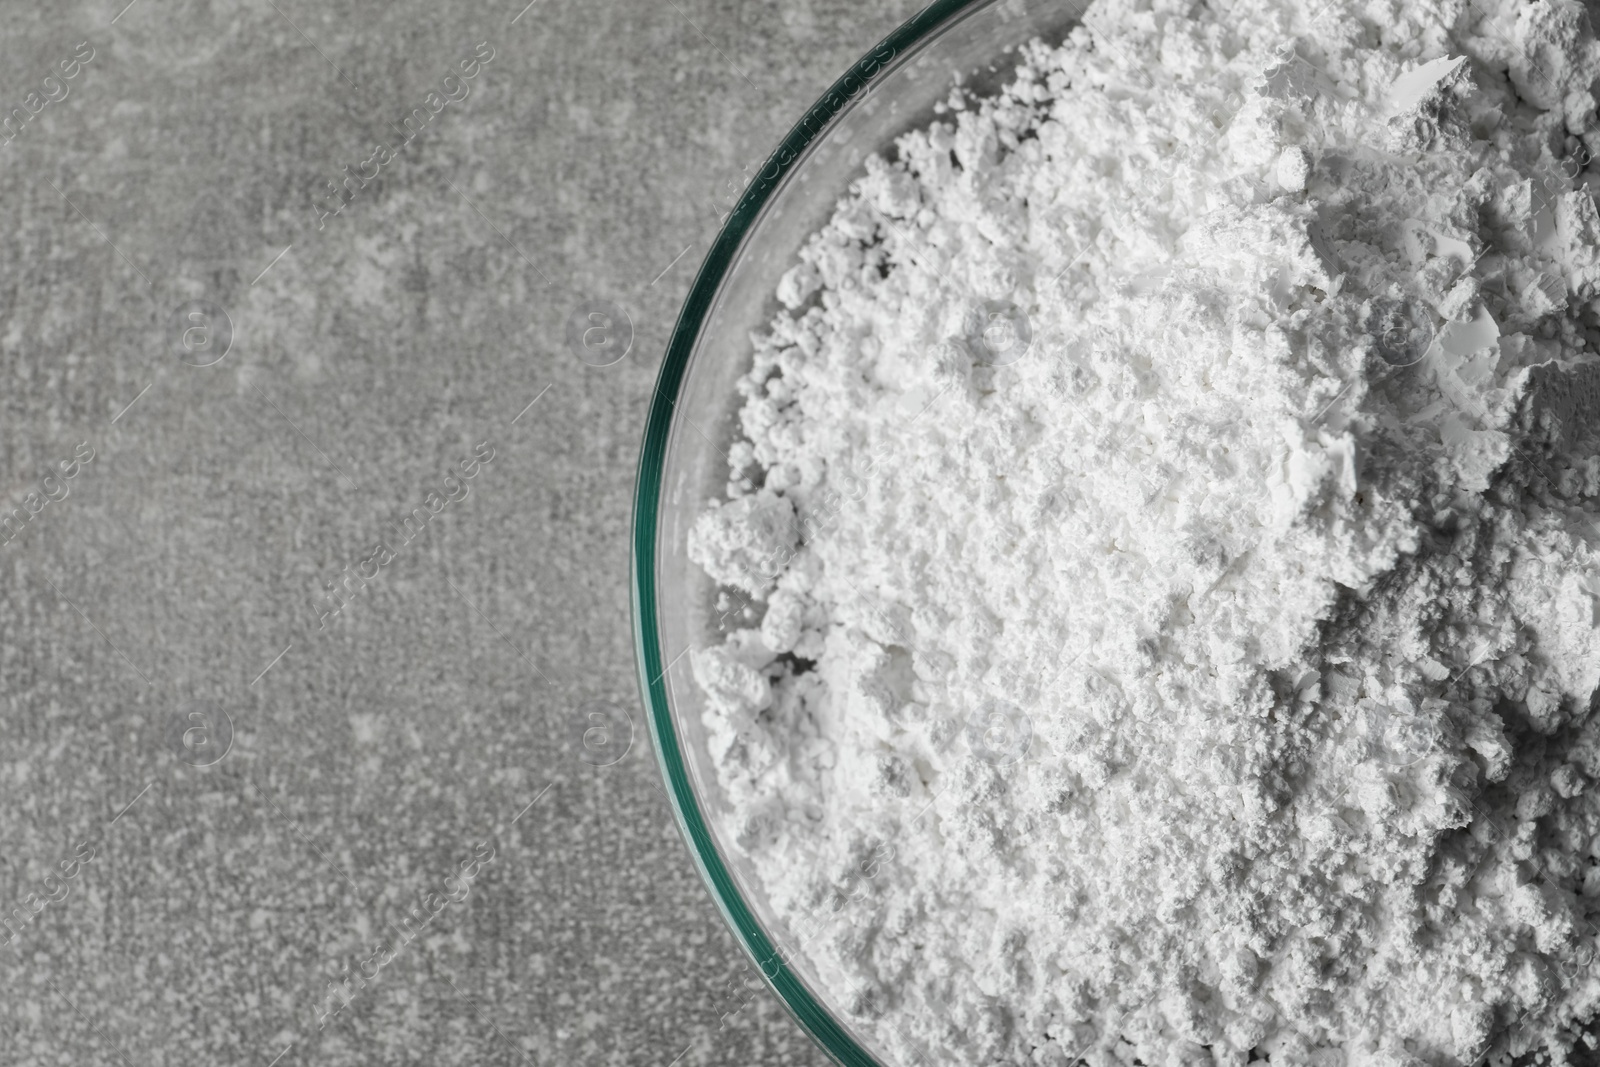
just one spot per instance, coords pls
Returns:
(1171, 503)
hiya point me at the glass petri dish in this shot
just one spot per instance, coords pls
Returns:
(693, 418)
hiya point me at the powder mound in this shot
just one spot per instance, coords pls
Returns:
(1171, 495)
(746, 541)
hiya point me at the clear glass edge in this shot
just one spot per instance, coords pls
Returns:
(812, 1016)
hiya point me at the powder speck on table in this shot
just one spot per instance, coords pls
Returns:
(1172, 490)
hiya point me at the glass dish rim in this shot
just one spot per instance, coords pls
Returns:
(815, 123)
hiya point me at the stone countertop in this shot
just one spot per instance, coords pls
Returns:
(229, 802)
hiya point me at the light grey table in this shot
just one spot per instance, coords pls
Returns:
(168, 603)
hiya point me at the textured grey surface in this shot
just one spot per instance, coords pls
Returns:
(366, 362)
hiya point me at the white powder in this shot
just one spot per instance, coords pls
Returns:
(1173, 496)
